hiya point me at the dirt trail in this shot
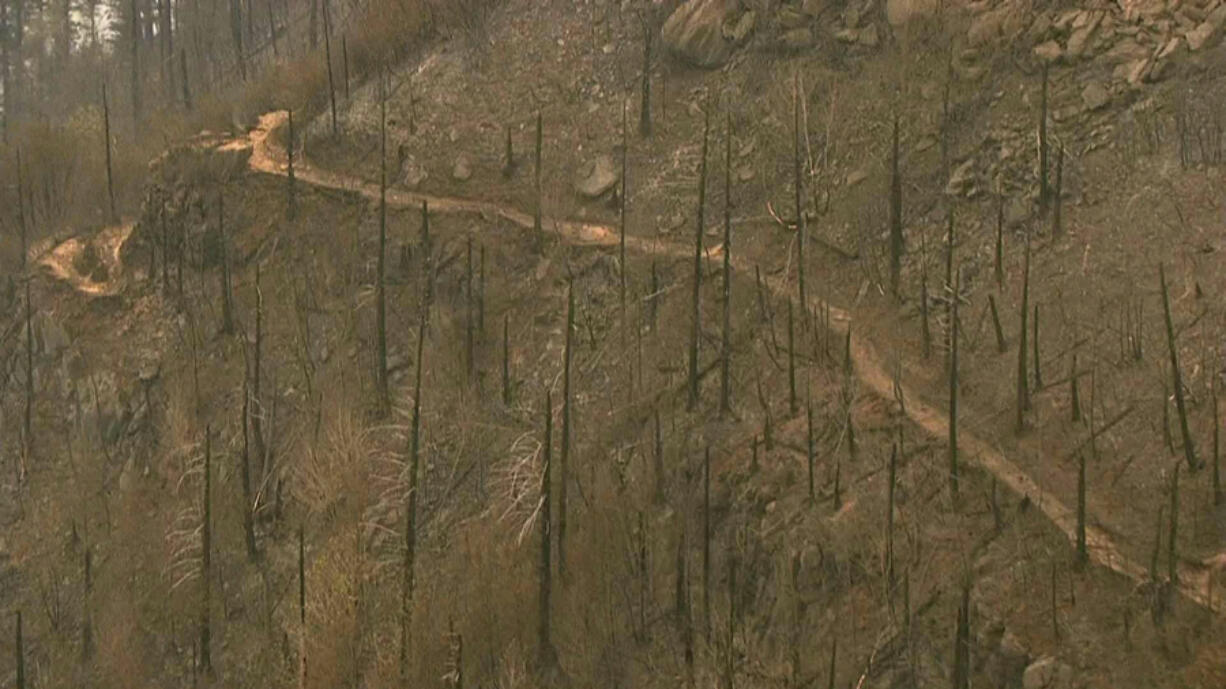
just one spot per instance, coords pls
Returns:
(268, 158)
(81, 261)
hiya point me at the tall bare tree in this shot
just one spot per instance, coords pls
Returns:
(699, 230)
(1189, 450)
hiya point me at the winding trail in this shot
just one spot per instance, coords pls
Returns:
(270, 158)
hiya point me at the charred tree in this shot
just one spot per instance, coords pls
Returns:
(1189, 450)
(408, 581)
(564, 466)
(725, 387)
(328, 60)
(696, 312)
(291, 206)
(206, 557)
(896, 237)
(546, 655)
(953, 392)
(381, 378)
(1082, 553)
(1023, 380)
(110, 176)
(798, 183)
(245, 468)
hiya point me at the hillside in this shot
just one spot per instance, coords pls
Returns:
(209, 438)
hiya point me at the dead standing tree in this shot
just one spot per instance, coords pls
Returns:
(1189, 451)
(564, 467)
(696, 311)
(897, 245)
(1023, 383)
(546, 655)
(380, 263)
(410, 526)
(725, 387)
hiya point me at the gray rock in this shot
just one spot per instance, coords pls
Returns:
(797, 39)
(598, 176)
(463, 170)
(1047, 673)
(1095, 96)
(694, 32)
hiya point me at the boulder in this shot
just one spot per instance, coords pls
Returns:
(1047, 673)
(700, 32)
(598, 176)
(1207, 32)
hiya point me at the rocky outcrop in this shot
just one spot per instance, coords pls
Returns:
(181, 196)
(704, 33)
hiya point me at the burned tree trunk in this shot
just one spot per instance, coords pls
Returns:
(1082, 554)
(506, 360)
(896, 236)
(408, 581)
(227, 299)
(546, 655)
(1043, 193)
(696, 313)
(725, 387)
(187, 91)
(328, 60)
(1189, 450)
(302, 628)
(248, 507)
(1217, 455)
(206, 549)
(380, 261)
(798, 183)
(21, 656)
(537, 228)
(791, 361)
(645, 101)
(110, 176)
(953, 392)
(706, 544)
(1023, 380)
(291, 206)
(564, 467)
